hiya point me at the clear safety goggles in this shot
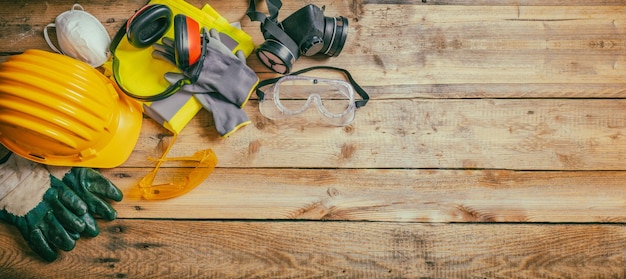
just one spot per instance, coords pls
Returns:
(293, 95)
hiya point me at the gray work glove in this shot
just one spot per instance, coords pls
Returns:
(225, 107)
(227, 117)
(219, 71)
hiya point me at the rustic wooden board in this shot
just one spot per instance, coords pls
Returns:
(493, 147)
(428, 44)
(236, 249)
(386, 195)
(523, 134)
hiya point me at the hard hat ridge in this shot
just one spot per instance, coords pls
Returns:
(60, 111)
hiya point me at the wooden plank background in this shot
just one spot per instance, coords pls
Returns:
(493, 147)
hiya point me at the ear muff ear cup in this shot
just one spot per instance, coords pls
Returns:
(148, 25)
(187, 44)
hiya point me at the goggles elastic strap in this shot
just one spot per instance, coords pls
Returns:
(357, 87)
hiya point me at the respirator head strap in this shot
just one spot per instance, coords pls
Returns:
(273, 6)
(280, 51)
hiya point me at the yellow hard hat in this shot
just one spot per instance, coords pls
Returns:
(60, 111)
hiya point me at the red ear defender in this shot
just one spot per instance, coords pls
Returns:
(146, 27)
(187, 44)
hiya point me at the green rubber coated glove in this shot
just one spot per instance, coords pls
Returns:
(47, 213)
(67, 196)
(42, 229)
(94, 189)
(219, 71)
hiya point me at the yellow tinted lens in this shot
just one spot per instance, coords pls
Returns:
(181, 185)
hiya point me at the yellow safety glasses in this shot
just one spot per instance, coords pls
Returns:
(206, 164)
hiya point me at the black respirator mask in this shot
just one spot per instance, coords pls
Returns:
(305, 32)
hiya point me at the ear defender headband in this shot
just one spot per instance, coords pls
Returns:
(147, 26)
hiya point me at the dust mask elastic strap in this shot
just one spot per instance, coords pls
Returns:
(81, 36)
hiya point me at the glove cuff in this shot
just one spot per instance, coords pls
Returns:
(58, 172)
(23, 185)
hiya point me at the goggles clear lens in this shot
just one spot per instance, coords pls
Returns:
(292, 96)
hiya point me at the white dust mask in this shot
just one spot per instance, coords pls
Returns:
(81, 36)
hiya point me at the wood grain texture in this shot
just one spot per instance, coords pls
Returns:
(236, 249)
(500, 3)
(493, 147)
(427, 44)
(522, 134)
(386, 195)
